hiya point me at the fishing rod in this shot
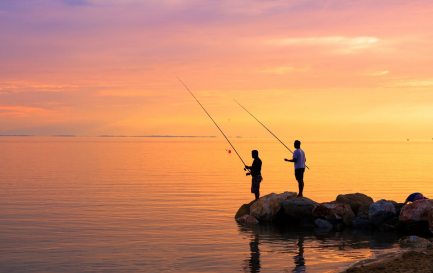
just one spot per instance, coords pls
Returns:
(207, 113)
(264, 126)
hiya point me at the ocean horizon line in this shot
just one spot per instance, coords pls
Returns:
(216, 137)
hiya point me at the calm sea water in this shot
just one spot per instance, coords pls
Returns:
(167, 205)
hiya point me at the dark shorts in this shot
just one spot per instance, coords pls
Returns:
(255, 183)
(299, 174)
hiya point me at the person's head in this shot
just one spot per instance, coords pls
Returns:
(297, 144)
(255, 153)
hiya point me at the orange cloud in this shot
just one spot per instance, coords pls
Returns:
(22, 111)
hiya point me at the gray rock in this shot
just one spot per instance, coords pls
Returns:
(381, 211)
(247, 220)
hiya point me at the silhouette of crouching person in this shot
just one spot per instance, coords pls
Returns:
(255, 172)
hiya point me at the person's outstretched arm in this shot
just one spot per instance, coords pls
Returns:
(290, 160)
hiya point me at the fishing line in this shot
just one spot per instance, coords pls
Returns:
(207, 113)
(266, 128)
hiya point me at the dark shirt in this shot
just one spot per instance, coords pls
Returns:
(256, 167)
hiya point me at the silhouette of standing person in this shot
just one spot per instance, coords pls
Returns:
(299, 257)
(255, 172)
(254, 261)
(299, 160)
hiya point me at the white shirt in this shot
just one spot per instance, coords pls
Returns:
(299, 158)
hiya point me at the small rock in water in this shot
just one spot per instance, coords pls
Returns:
(415, 242)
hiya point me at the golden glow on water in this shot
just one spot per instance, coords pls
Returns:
(167, 205)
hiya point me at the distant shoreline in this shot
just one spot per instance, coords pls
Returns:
(113, 136)
(401, 140)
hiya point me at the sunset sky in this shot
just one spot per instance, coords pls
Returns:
(308, 69)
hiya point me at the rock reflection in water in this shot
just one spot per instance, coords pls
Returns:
(270, 246)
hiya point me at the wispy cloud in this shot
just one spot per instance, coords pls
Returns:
(27, 86)
(21, 111)
(416, 83)
(341, 44)
(77, 2)
(281, 70)
(378, 73)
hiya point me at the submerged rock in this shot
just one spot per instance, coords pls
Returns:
(267, 207)
(355, 200)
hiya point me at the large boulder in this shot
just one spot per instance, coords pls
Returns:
(267, 207)
(299, 208)
(334, 211)
(355, 200)
(416, 211)
(381, 211)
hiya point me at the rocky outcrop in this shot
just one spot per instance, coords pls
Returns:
(267, 207)
(383, 215)
(355, 200)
